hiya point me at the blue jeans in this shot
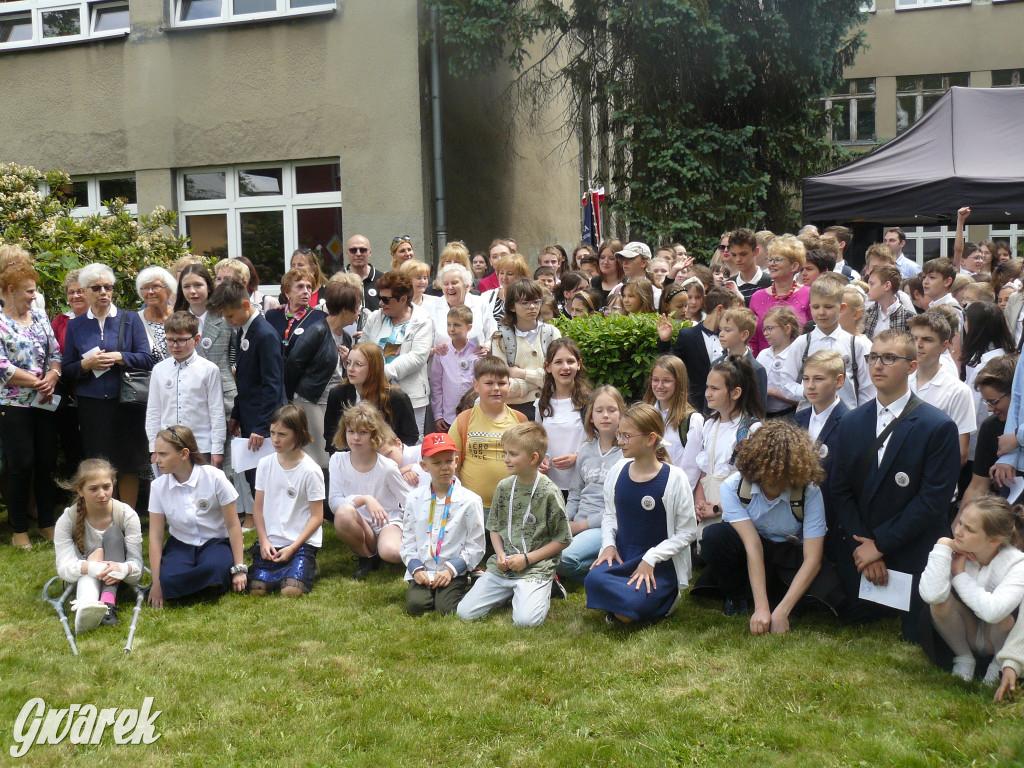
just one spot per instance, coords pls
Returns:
(577, 557)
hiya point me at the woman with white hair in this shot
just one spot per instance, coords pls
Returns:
(97, 346)
(157, 289)
(456, 281)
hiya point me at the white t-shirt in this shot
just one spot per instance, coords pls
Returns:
(411, 456)
(565, 435)
(384, 483)
(950, 395)
(980, 409)
(193, 509)
(685, 457)
(286, 497)
(725, 442)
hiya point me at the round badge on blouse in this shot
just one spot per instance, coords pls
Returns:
(846, 359)
(372, 292)
(647, 502)
(206, 343)
(464, 364)
(203, 504)
(902, 480)
(530, 519)
(823, 450)
(299, 331)
(245, 345)
(292, 493)
(168, 383)
(777, 364)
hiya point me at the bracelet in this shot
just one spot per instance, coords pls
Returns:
(526, 557)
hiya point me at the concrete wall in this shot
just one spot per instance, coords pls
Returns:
(344, 84)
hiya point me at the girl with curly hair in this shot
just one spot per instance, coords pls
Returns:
(769, 544)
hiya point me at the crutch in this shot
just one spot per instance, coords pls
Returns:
(140, 597)
(58, 606)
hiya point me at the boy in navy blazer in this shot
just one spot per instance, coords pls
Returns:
(891, 501)
(259, 368)
(698, 346)
(824, 374)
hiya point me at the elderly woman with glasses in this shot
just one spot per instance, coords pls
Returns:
(456, 281)
(306, 258)
(77, 305)
(157, 288)
(99, 345)
(785, 260)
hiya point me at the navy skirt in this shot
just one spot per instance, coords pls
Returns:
(301, 567)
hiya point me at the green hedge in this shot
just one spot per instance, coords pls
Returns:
(617, 350)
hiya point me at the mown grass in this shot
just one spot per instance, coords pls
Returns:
(345, 677)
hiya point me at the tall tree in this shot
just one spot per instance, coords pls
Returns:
(703, 114)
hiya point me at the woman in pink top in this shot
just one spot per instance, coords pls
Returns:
(785, 260)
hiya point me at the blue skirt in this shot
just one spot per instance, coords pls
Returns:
(301, 567)
(607, 590)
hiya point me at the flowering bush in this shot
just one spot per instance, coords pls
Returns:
(41, 222)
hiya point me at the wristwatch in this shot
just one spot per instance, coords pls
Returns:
(240, 568)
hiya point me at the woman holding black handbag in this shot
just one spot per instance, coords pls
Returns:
(108, 358)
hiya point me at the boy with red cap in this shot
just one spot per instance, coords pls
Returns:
(443, 537)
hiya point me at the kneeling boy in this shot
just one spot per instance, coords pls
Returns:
(528, 528)
(443, 535)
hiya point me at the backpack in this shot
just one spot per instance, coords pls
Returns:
(853, 362)
(847, 271)
(510, 345)
(796, 498)
(462, 424)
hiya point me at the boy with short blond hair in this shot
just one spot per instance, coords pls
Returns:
(735, 328)
(528, 530)
(451, 374)
(937, 283)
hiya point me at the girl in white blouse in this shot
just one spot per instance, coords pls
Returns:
(563, 397)
(98, 542)
(197, 504)
(667, 390)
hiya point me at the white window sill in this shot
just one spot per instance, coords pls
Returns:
(32, 45)
(932, 7)
(183, 26)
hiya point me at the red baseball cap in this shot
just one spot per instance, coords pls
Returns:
(437, 442)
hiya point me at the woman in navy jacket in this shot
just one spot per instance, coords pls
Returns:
(93, 360)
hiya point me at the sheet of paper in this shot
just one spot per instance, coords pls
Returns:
(896, 594)
(94, 351)
(50, 406)
(1016, 486)
(242, 458)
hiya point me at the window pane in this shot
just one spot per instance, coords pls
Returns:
(310, 3)
(208, 234)
(205, 186)
(123, 187)
(317, 178)
(259, 182)
(960, 78)
(1002, 77)
(928, 101)
(931, 82)
(841, 121)
(865, 120)
(193, 10)
(932, 248)
(111, 18)
(865, 85)
(905, 107)
(317, 227)
(254, 6)
(15, 29)
(75, 192)
(906, 83)
(61, 23)
(263, 243)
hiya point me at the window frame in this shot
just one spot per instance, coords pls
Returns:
(94, 205)
(227, 15)
(88, 10)
(851, 100)
(924, 5)
(917, 234)
(920, 92)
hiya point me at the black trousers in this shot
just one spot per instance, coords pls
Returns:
(29, 437)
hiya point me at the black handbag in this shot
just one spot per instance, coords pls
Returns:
(134, 384)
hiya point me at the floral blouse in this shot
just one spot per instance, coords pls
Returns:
(32, 349)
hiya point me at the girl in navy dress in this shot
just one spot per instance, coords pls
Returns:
(648, 526)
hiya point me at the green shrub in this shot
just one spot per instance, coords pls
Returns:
(617, 350)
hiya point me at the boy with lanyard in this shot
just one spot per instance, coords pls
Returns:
(528, 528)
(443, 534)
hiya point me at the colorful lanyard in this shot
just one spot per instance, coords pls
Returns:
(445, 516)
(526, 515)
(292, 320)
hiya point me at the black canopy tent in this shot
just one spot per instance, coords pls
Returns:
(968, 149)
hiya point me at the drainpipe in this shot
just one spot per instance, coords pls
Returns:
(440, 214)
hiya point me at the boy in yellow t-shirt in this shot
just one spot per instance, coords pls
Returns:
(477, 432)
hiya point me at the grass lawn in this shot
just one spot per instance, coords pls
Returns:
(345, 677)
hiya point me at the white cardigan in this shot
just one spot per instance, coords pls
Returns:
(679, 515)
(69, 559)
(992, 591)
(409, 370)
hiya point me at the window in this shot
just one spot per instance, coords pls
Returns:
(28, 23)
(906, 5)
(1014, 233)
(204, 12)
(924, 243)
(263, 212)
(90, 193)
(916, 93)
(1006, 78)
(852, 111)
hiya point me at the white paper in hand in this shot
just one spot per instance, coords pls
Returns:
(1016, 486)
(97, 372)
(37, 402)
(896, 594)
(242, 458)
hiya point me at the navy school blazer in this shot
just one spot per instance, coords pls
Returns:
(259, 376)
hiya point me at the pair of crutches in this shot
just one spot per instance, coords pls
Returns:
(58, 605)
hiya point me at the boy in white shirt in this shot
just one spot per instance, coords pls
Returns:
(937, 384)
(186, 389)
(443, 532)
(826, 304)
(937, 283)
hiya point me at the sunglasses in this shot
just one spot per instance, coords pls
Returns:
(358, 250)
(386, 299)
(103, 288)
(402, 239)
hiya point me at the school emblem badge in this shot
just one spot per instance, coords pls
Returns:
(245, 345)
(902, 480)
(292, 493)
(206, 343)
(203, 504)
(647, 502)
(299, 331)
(823, 450)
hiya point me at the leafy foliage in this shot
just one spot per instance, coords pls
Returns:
(618, 350)
(41, 222)
(704, 114)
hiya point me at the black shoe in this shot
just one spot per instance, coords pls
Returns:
(612, 620)
(737, 608)
(558, 589)
(110, 620)
(366, 566)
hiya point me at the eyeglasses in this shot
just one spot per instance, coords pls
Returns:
(722, 248)
(994, 403)
(402, 239)
(103, 288)
(625, 437)
(887, 358)
(530, 304)
(768, 328)
(358, 250)
(179, 341)
(79, 292)
(152, 288)
(774, 260)
(386, 299)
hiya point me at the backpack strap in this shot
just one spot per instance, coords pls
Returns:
(796, 502)
(855, 367)
(746, 492)
(519, 415)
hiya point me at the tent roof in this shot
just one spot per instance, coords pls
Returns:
(966, 150)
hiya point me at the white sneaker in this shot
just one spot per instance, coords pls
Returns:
(993, 674)
(88, 614)
(963, 667)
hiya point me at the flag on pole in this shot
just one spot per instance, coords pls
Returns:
(592, 201)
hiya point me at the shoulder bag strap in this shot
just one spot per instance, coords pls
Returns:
(872, 454)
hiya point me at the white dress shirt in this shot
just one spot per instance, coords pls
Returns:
(818, 419)
(838, 341)
(950, 395)
(884, 415)
(188, 393)
(193, 509)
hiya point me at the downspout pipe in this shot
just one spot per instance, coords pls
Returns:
(440, 212)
